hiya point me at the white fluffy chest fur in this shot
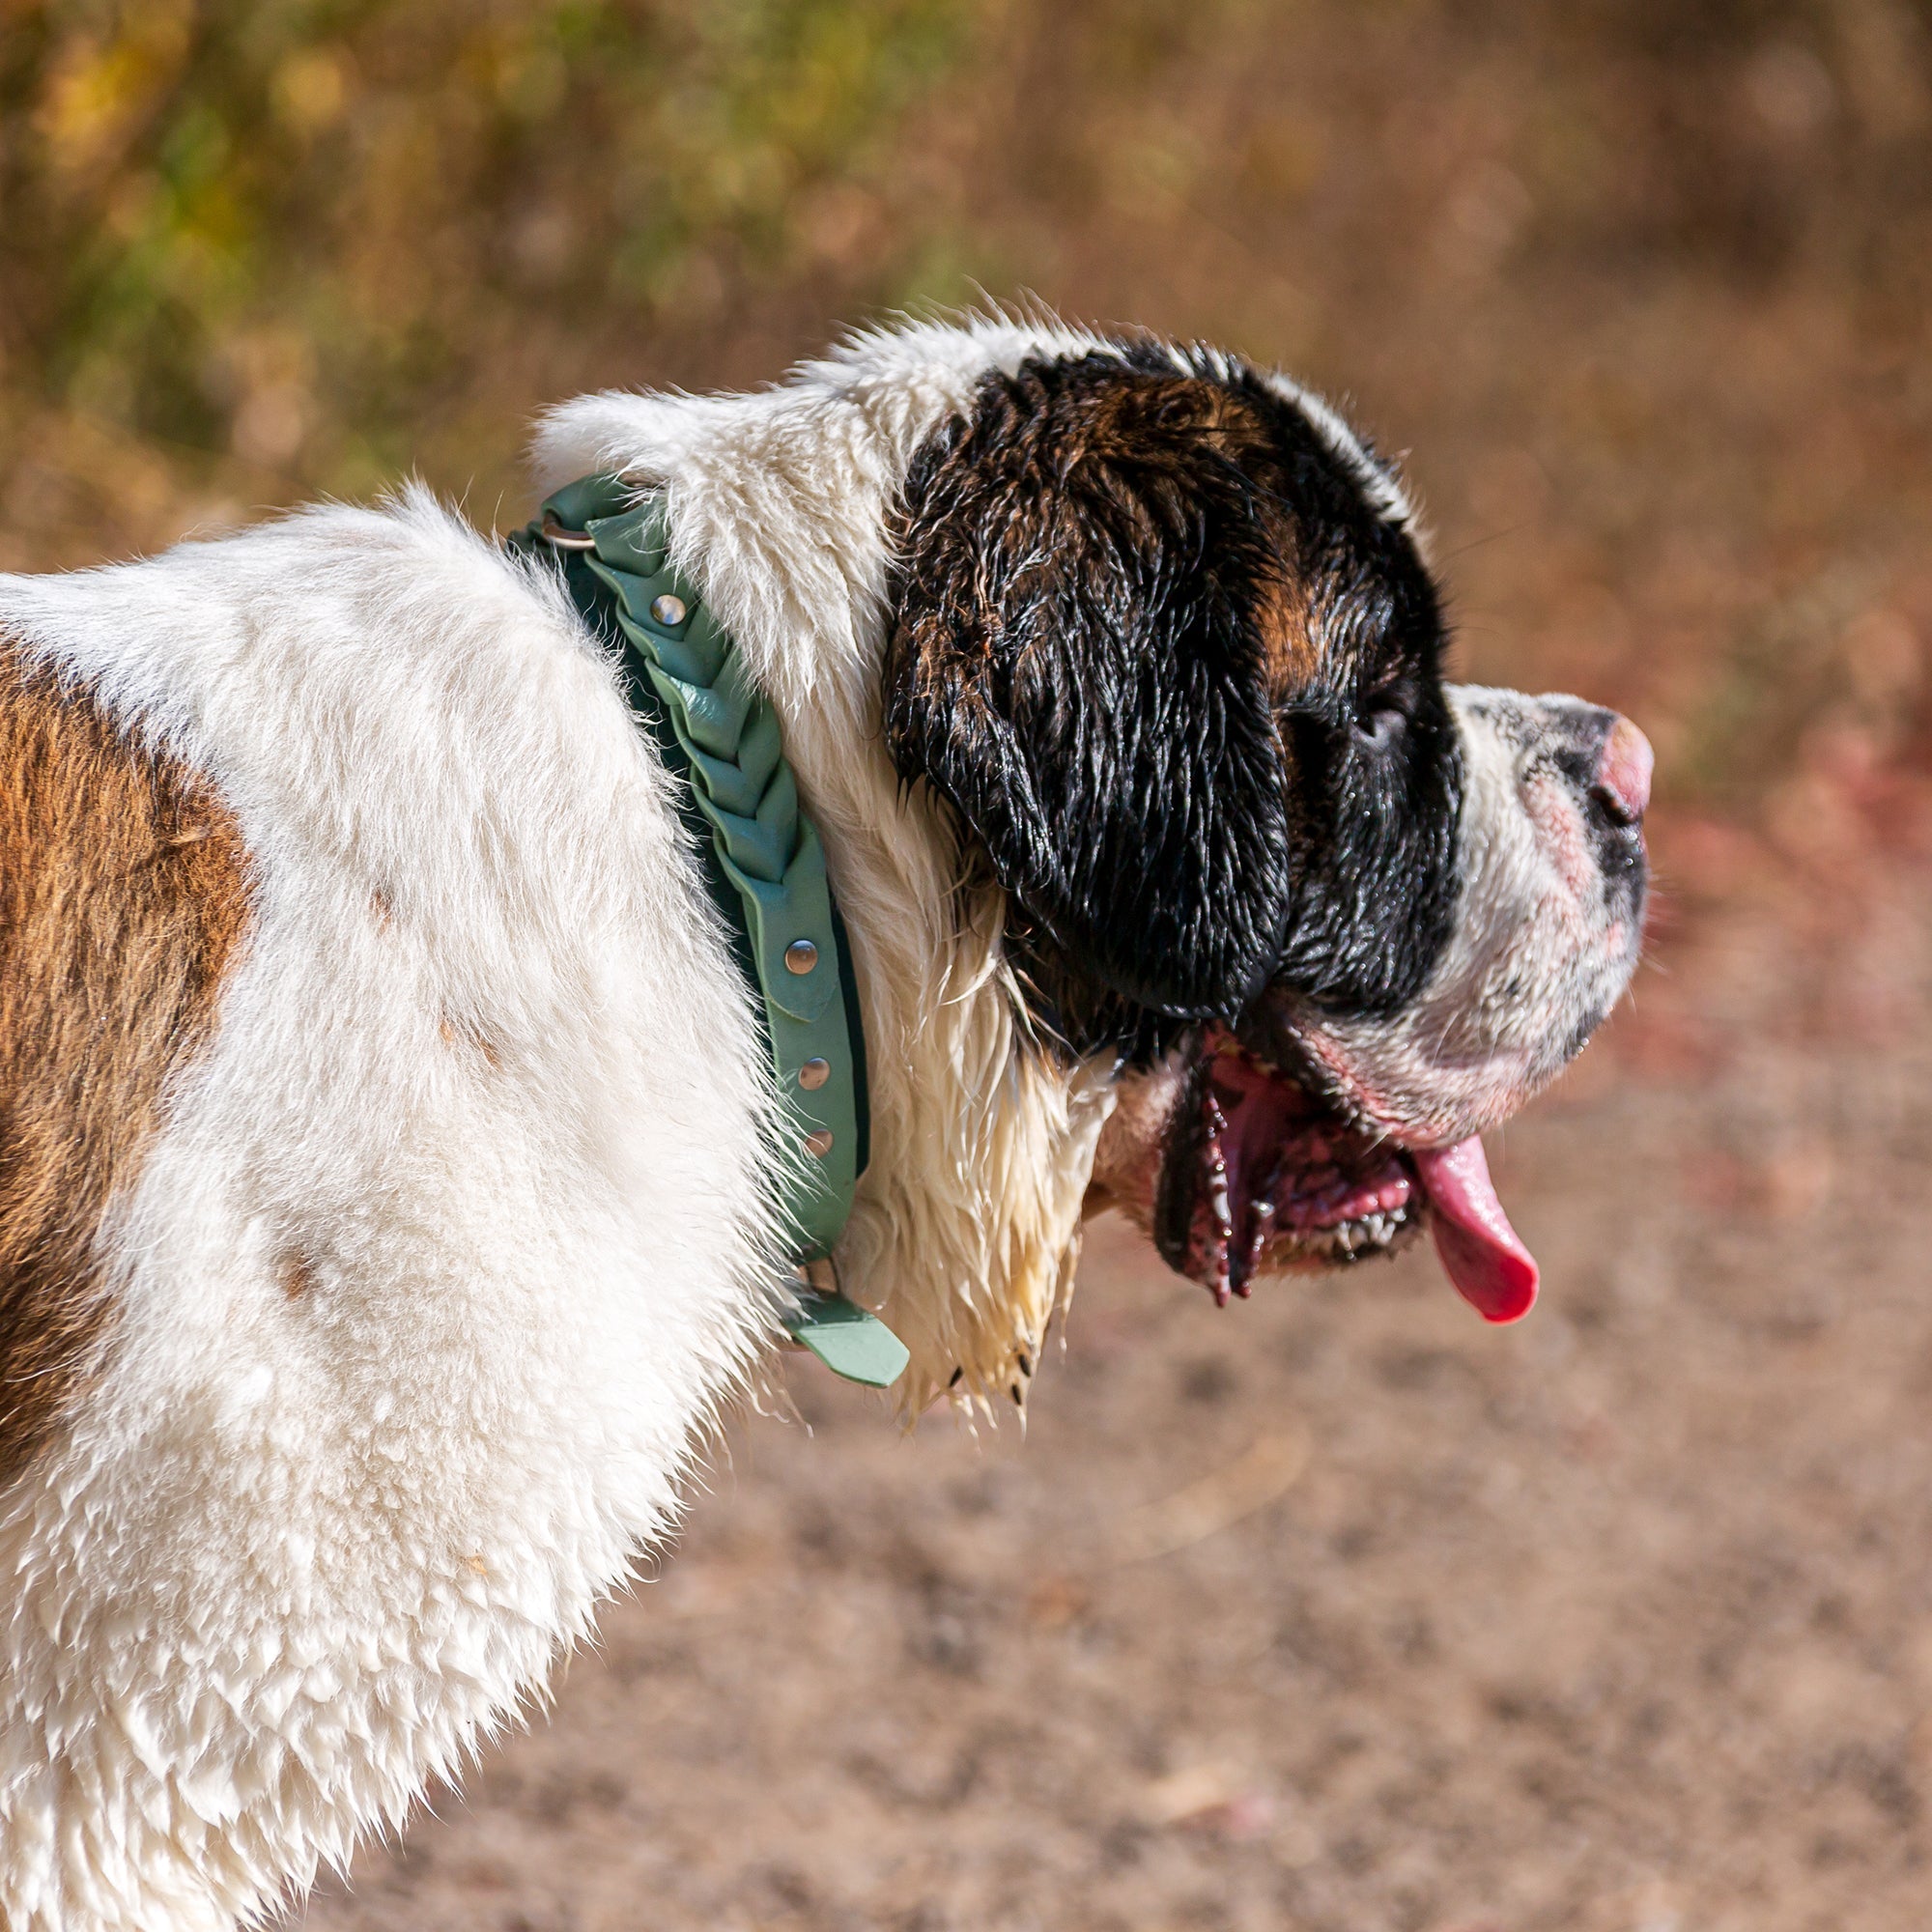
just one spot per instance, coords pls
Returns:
(452, 1243)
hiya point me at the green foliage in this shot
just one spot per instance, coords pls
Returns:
(295, 229)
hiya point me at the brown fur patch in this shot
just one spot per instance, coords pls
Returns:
(1287, 628)
(123, 895)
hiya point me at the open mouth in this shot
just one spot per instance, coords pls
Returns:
(1261, 1176)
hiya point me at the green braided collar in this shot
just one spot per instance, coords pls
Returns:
(761, 859)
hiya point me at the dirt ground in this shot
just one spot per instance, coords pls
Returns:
(1338, 1611)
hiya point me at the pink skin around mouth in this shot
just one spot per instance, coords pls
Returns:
(1274, 1170)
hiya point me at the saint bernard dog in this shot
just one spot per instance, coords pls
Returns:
(387, 1147)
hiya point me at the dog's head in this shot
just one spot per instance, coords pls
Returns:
(1164, 638)
(1199, 890)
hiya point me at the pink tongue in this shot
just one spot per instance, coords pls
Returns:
(1480, 1252)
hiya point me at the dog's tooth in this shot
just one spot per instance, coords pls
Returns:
(1217, 1195)
(1258, 1239)
(1214, 1160)
(1217, 1167)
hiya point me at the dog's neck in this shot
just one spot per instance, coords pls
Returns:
(781, 507)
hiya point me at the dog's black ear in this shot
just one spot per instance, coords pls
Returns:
(1084, 660)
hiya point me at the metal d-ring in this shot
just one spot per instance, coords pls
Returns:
(560, 537)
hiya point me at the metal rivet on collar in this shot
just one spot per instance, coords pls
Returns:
(667, 609)
(814, 1075)
(801, 956)
(818, 1145)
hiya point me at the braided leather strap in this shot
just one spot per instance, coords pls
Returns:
(764, 864)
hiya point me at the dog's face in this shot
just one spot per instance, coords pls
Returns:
(1164, 639)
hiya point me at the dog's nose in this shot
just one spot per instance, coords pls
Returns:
(1624, 766)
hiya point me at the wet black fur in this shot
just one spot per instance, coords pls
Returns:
(1087, 661)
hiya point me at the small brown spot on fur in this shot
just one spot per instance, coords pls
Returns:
(297, 1275)
(111, 965)
(467, 1032)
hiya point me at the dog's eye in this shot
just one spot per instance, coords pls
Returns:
(1380, 720)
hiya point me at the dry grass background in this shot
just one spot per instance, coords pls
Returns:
(1335, 1612)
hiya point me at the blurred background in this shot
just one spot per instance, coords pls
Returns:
(1334, 1613)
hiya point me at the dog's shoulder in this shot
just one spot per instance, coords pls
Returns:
(352, 761)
